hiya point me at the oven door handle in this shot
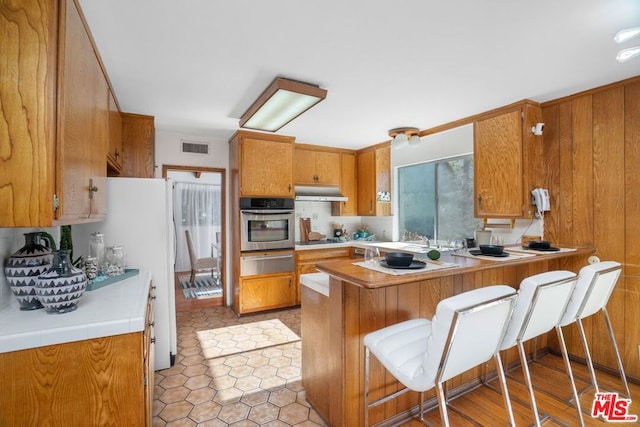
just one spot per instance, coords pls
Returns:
(259, 257)
(267, 212)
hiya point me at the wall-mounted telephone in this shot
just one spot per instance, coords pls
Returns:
(541, 200)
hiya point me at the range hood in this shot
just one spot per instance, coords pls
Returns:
(319, 194)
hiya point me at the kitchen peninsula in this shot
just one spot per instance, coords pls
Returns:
(345, 303)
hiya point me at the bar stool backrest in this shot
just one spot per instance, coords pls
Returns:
(541, 301)
(595, 285)
(466, 333)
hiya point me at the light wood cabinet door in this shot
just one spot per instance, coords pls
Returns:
(266, 168)
(28, 49)
(54, 115)
(498, 168)
(348, 180)
(366, 183)
(114, 156)
(374, 178)
(316, 167)
(138, 145)
(83, 126)
(88, 383)
(258, 293)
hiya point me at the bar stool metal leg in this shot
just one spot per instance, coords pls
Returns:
(567, 365)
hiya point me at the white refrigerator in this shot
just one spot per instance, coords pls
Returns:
(140, 218)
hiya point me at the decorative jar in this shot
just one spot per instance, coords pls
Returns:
(23, 268)
(60, 287)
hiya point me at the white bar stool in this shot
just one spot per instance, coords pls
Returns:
(596, 283)
(422, 354)
(542, 300)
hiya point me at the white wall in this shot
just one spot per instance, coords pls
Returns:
(168, 151)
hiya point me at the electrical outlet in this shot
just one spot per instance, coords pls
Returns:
(314, 216)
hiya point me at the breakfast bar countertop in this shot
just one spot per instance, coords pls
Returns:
(371, 279)
(115, 309)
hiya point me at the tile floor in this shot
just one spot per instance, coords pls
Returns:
(255, 388)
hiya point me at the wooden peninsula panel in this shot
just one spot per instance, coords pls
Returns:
(361, 301)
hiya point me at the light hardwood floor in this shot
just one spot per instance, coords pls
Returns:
(484, 405)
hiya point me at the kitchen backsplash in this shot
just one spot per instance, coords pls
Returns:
(322, 220)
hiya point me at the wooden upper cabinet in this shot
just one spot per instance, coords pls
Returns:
(316, 167)
(114, 155)
(506, 162)
(348, 186)
(374, 180)
(138, 145)
(265, 164)
(55, 99)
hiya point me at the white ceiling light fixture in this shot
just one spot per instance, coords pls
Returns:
(282, 101)
(403, 136)
(625, 35)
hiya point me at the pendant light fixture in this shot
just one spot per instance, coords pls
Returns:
(625, 35)
(282, 101)
(404, 136)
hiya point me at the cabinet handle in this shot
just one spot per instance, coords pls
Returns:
(480, 202)
(92, 188)
(152, 324)
(289, 188)
(154, 287)
(117, 154)
(153, 297)
(153, 340)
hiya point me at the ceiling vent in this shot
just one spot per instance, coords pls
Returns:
(195, 147)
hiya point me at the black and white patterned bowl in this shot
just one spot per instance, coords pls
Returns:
(23, 268)
(60, 288)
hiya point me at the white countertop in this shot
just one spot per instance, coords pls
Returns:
(115, 309)
(319, 282)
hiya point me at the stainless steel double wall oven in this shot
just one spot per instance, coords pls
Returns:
(267, 236)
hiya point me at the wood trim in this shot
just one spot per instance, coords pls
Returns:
(311, 147)
(374, 147)
(621, 83)
(260, 135)
(223, 186)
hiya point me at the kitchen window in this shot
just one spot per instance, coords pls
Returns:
(435, 199)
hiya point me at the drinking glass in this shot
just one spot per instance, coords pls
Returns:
(459, 245)
(371, 256)
(496, 240)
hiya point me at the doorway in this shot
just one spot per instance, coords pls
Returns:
(199, 217)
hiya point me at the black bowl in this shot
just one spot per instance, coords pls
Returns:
(491, 249)
(398, 259)
(541, 244)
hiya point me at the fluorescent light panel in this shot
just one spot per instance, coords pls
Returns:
(626, 34)
(281, 102)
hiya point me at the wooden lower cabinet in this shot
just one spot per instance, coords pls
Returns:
(306, 261)
(96, 382)
(266, 292)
